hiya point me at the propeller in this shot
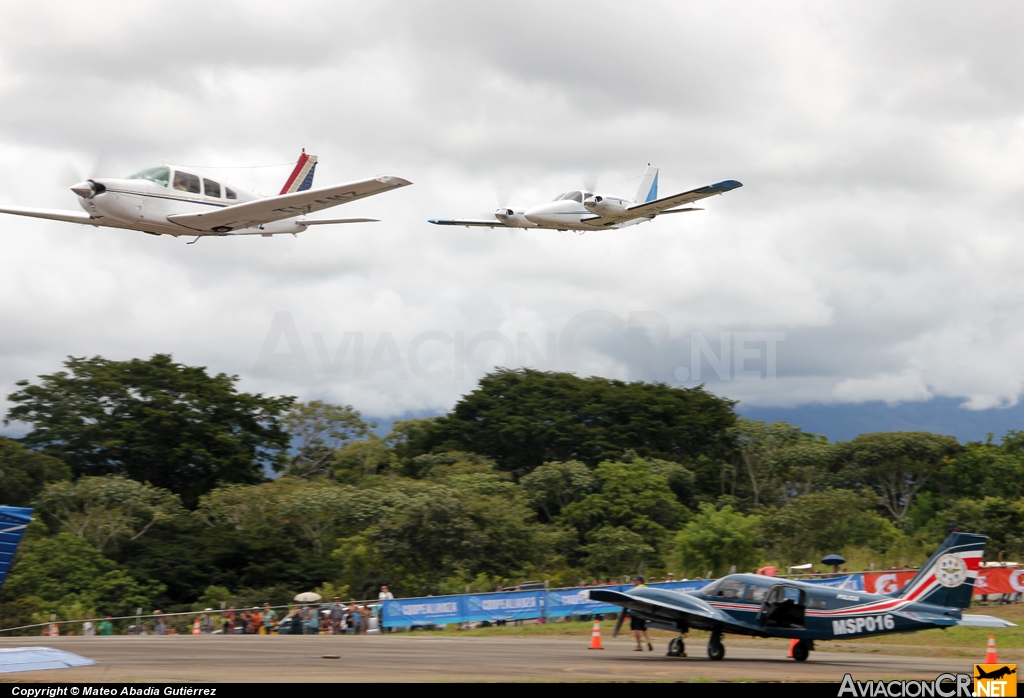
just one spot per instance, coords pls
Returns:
(618, 623)
(80, 179)
(590, 182)
(503, 195)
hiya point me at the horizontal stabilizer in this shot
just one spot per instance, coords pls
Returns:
(339, 221)
(974, 620)
(468, 222)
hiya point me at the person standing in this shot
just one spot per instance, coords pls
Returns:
(106, 627)
(229, 621)
(639, 625)
(159, 623)
(337, 614)
(88, 629)
(269, 619)
(384, 596)
(206, 622)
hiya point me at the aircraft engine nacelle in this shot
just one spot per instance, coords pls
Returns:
(602, 206)
(513, 219)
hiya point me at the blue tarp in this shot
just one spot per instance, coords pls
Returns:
(13, 522)
(37, 658)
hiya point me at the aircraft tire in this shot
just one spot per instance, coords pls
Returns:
(801, 651)
(676, 648)
(716, 651)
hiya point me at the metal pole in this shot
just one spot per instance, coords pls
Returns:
(138, 620)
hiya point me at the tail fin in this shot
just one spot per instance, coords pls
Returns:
(947, 579)
(301, 177)
(13, 522)
(648, 190)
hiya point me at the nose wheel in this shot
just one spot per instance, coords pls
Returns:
(802, 650)
(716, 650)
(676, 648)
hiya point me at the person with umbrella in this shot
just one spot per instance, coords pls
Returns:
(835, 561)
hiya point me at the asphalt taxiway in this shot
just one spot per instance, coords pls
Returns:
(433, 658)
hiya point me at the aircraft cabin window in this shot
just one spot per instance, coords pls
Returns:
(574, 196)
(815, 602)
(187, 182)
(229, 193)
(730, 590)
(211, 188)
(756, 594)
(157, 175)
(559, 197)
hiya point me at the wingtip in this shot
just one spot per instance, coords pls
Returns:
(393, 181)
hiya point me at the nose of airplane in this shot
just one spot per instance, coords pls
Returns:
(86, 189)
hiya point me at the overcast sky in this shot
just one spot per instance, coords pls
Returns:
(875, 249)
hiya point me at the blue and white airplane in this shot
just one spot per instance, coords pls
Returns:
(174, 200)
(13, 523)
(584, 210)
(751, 604)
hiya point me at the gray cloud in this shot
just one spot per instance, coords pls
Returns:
(880, 147)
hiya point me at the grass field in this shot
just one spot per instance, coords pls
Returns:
(953, 642)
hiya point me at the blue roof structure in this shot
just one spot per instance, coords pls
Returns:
(13, 522)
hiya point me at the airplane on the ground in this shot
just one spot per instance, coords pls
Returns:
(761, 606)
(584, 210)
(174, 200)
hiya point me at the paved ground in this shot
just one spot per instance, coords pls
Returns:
(424, 658)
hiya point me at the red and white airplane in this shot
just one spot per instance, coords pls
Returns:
(173, 200)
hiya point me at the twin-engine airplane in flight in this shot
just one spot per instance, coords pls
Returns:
(751, 604)
(173, 200)
(584, 210)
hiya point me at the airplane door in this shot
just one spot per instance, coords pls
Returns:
(783, 607)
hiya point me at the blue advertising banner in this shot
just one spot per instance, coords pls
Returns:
(573, 602)
(853, 582)
(505, 605)
(430, 610)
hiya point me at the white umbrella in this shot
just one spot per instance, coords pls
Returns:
(308, 597)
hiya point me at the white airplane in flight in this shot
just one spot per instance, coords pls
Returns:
(583, 210)
(173, 200)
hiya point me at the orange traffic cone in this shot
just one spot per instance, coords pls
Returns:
(195, 628)
(595, 637)
(990, 653)
(54, 632)
(792, 643)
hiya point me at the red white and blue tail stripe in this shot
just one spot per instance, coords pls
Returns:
(947, 579)
(301, 177)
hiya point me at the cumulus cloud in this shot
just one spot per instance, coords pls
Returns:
(878, 229)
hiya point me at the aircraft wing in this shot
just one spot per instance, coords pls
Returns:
(653, 208)
(669, 608)
(469, 222)
(276, 208)
(54, 215)
(339, 221)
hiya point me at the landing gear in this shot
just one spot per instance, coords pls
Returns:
(716, 650)
(676, 648)
(802, 650)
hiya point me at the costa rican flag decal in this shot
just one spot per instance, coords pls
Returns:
(301, 177)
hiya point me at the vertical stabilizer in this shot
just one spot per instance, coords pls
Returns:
(13, 522)
(301, 177)
(648, 190)
(947, 579)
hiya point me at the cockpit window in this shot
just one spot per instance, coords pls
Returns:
(186, 181)
(159, 175)
(229, 193)
(559, 197)
(573, 196)
(211, 188)
(730, 589)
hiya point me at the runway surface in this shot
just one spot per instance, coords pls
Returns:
(430, 658)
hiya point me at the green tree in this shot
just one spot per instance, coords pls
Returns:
(23, 473)
(155, 421)
(64, 574)
(361, 459)
(896, 465)
(317, 430)
(1002, 520)
(524, 418)
(631, 496)
(716, 539)
(107, 510)
(827, 522)
(760, 450)
(552, 487)
(615, 551)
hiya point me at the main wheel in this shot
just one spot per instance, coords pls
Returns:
(716, 651)
(801, 651)
(676, 648)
